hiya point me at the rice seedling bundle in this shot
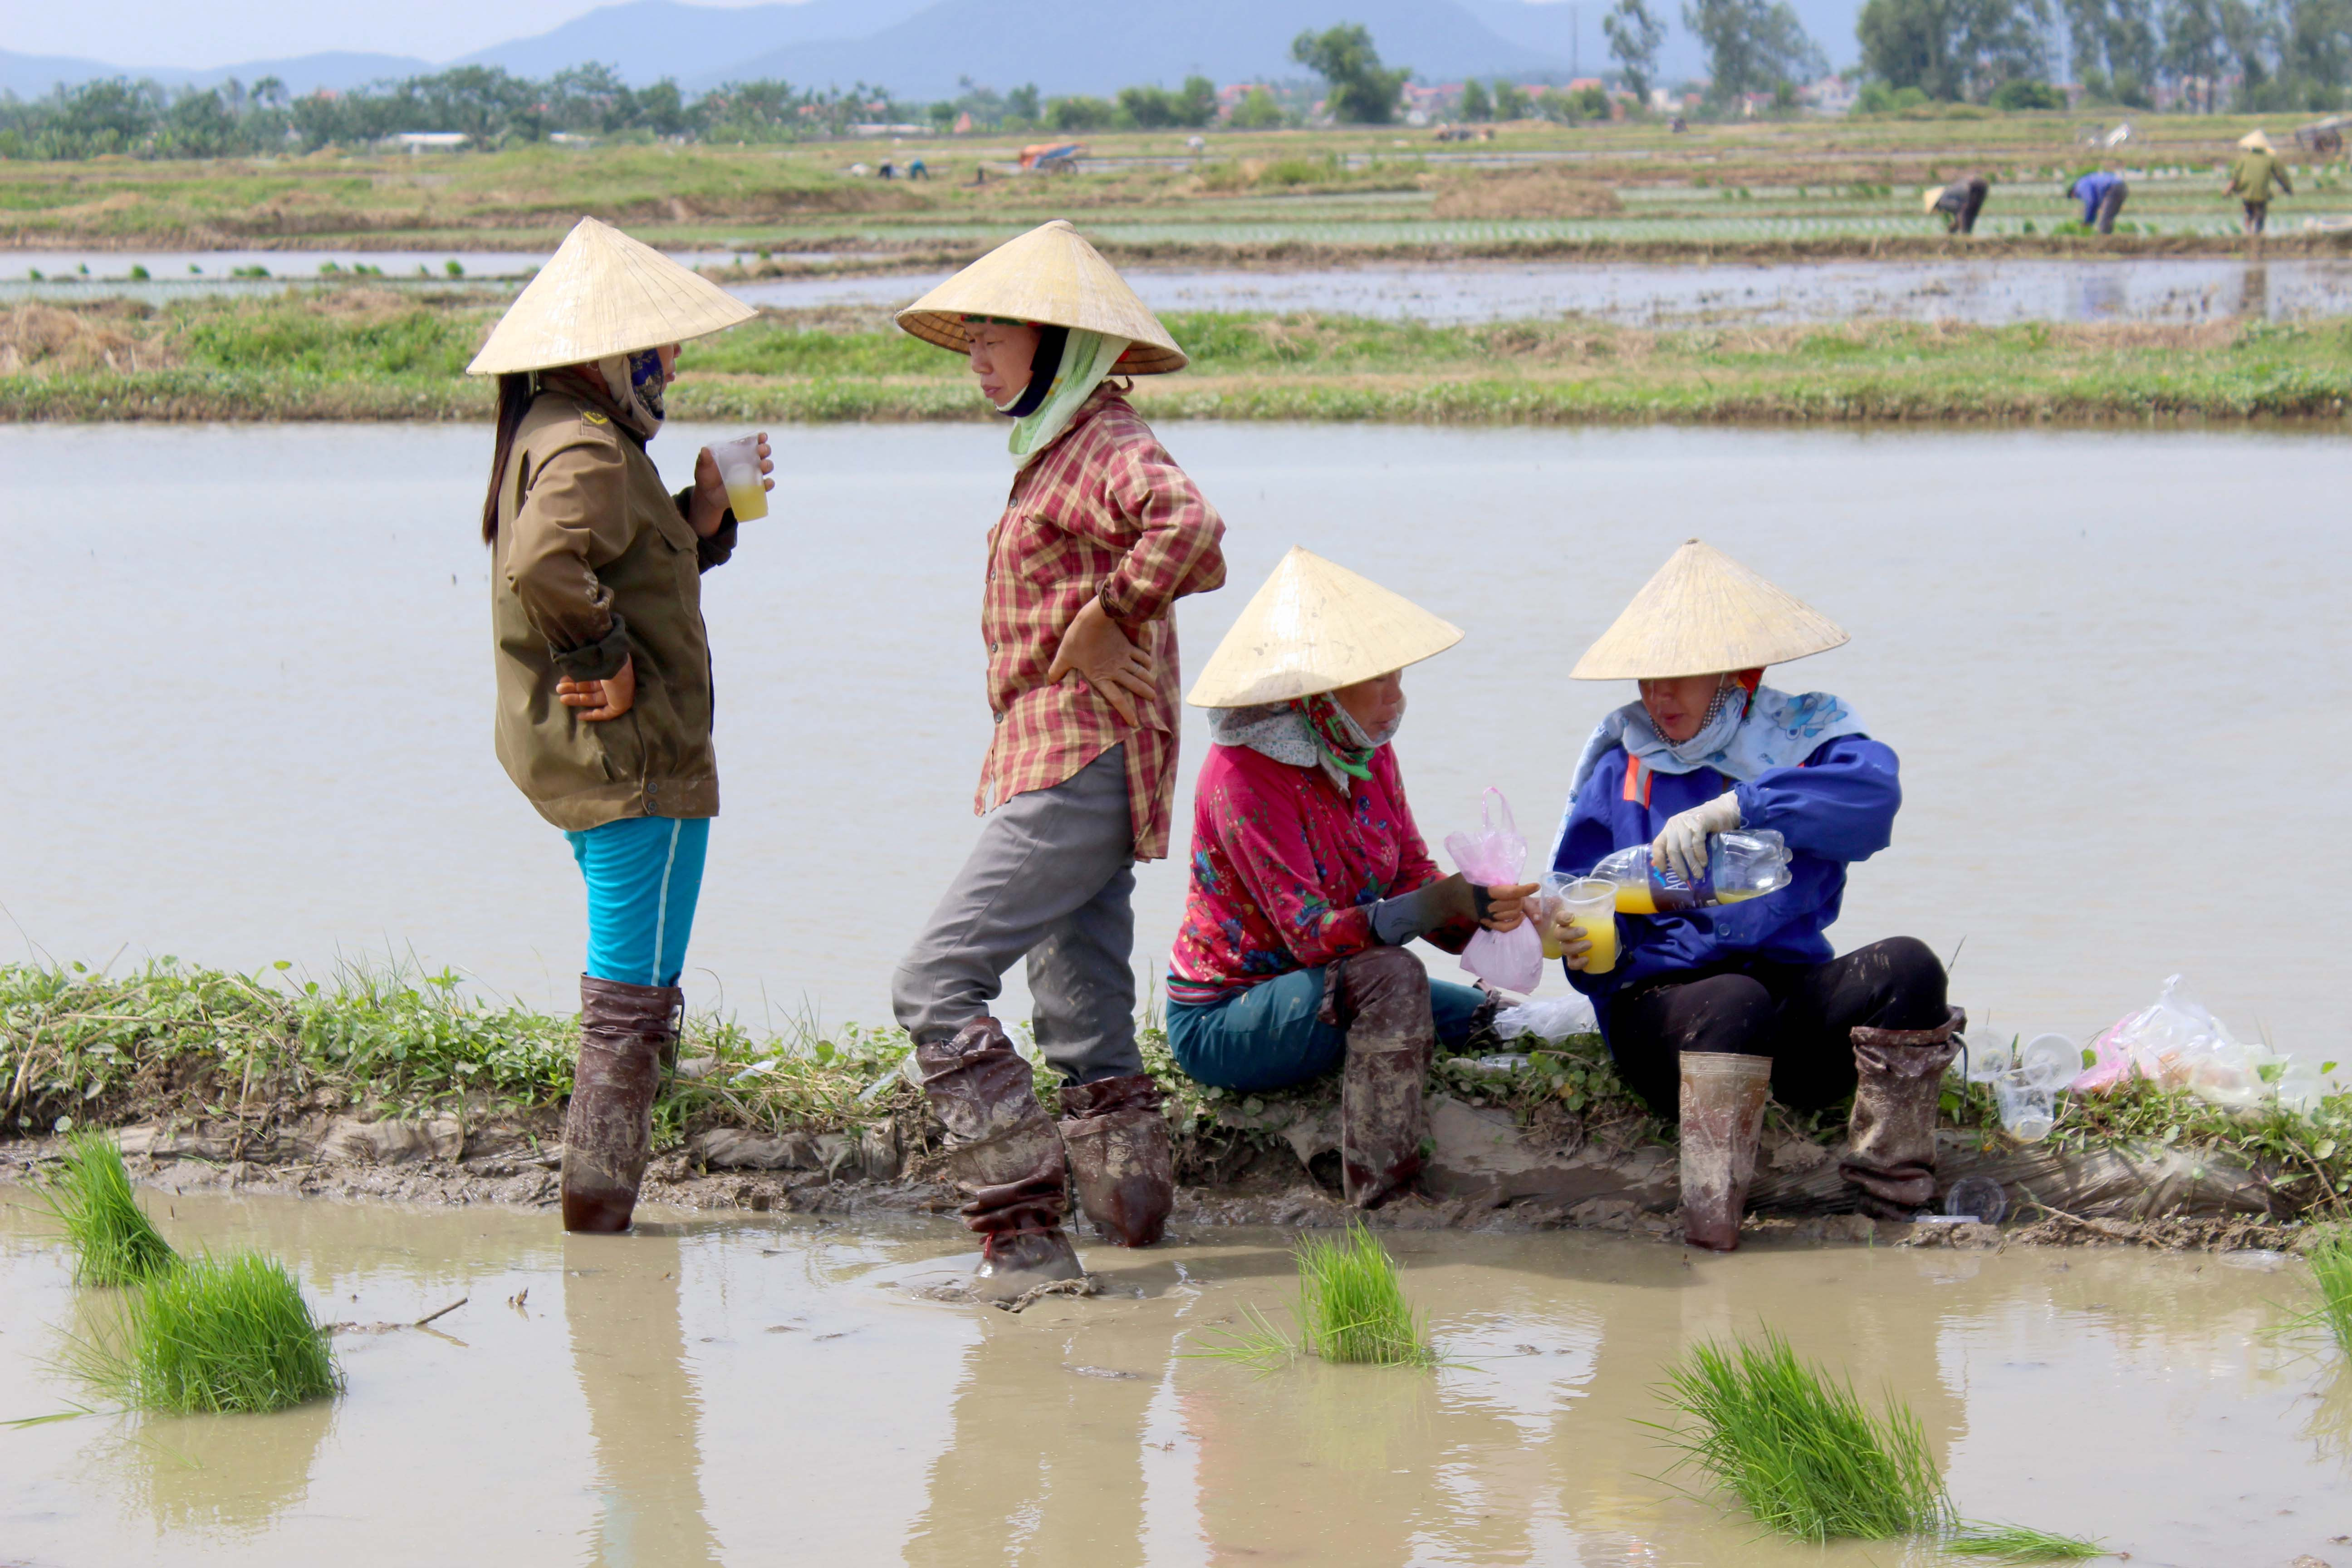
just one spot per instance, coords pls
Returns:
(217, 1334)
(1351, 1305)
(1799, 1450)
(113, 1240)
(1350, 1308)
(2331, 1270)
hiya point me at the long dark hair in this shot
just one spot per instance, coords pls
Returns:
(514, 401)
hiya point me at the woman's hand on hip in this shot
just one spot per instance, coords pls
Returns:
(1097, 651)
(1506, 907)
(606, 699)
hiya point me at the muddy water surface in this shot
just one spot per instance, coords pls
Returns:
(770, 1391)
(252, 711)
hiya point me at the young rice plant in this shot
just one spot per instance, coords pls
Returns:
(1800, 1450)
(2331, 1271)
(216, 1335)
(1810, 1461)
(114, 1242)
(1350, 1308)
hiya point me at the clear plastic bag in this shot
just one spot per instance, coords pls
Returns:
(1496, 855)
(2177, 1044)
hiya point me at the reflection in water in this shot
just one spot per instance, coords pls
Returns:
(829, 1416)
(233, 1473)
(1045, 1464)
(628, 1352)
(2255, 292)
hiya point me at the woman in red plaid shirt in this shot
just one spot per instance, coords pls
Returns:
(1101, 535)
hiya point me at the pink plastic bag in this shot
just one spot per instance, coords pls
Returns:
(1497, 856)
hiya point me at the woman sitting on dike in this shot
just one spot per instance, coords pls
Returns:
(1309, 875)
(1706, 1006)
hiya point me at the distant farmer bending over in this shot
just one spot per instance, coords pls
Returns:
(1957, 203)
(2102, 192)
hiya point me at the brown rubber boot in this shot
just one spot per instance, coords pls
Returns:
(1381, 998)
(1891, 1138)
(608, 1127)
(1121, 1159)
(1006, 1156)
(1722, 1119)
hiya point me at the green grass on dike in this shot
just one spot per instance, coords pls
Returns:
(89, 1198)
(374, 353)
(219, 1334)
(170, 1041)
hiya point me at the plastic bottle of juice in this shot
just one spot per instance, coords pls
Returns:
(1744, 865)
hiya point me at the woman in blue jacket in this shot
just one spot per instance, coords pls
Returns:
(1707, 1007)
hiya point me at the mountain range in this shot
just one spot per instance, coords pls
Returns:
(922, 49)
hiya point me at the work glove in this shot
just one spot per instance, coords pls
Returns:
(1682, 846)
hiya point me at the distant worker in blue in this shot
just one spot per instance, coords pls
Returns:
(2102, 192)
(917, 170)
(1706, 1009)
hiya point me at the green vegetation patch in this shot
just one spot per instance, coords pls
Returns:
(1350, 1308)
(1798, 1449)
(217, 1334)
(113, 1240)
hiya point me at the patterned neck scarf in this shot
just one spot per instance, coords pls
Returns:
(1307, 732)
(634, 380)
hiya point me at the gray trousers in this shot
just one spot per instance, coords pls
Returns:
(1052, 876)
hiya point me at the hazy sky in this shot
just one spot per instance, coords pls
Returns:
(193, 34)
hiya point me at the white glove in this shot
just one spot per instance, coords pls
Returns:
(1682, 848)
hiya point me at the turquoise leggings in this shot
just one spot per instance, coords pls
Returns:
(643, 874)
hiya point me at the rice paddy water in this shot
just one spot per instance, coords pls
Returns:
(770, 1388)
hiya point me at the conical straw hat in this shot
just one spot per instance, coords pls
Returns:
(1703, 613)
(604, 293)
(2254, 141)
(1315, 628)
(1052, 275)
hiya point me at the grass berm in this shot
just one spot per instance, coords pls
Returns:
(361, 352)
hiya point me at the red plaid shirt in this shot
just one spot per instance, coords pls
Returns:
(1105, 511)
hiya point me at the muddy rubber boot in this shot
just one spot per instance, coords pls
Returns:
(1723, 1099)
(1121, 1159)
(608, 1127)
(1006, 1157)
(1381, 998)
(1891, 1153)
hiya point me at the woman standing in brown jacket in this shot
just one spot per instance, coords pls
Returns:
(603, 667)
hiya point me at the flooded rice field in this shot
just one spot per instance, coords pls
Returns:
(254, 687)
(2177, 290)
(1983, 293)
(771, 1390)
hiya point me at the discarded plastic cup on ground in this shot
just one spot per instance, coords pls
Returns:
(1591, 903)
(2025, 1113)
(1990, 1054)
(1977, 1197)
(2050, 1061)
(738, 467)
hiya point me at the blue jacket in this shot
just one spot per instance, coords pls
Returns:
(1835, 806)
(2092, 189)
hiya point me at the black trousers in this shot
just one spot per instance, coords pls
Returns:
(1802, 1017)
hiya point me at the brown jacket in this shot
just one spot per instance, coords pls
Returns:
(595, 563)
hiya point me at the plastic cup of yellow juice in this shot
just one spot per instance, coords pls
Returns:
(738, 467)
(1591, 904)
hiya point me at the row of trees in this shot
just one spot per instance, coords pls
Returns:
(484, 103)
(2248, 55)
